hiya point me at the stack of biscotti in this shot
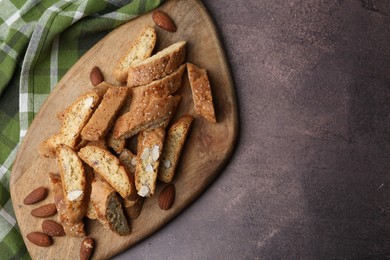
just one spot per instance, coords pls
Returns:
(102, 177)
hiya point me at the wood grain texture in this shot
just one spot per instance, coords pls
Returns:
(208, 148)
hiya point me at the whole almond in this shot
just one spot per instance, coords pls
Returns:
(39, 239)
(167, 196)
(164, 21)
(35, 196)
(86, 248)
(96, 76)
(44, 211)
(52, 228)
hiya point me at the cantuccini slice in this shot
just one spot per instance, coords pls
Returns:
(108, 207)
(100, 143)
(140, 50)
(114, 143)
(91, 211)
(74, 183)
(201, 92)
(104, 115)
(157, 113)
(157, 66)
(71, 229)
(173, 145)
(157, 89)
(133, 204)
(73, 120)
(109, 167)
(129, 160)
(150, 145)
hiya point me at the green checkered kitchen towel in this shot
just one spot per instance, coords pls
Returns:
(39, 41)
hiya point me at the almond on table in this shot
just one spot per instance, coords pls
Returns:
(35, 196)
(164, 21)
(96, 76)
(44, 211)
(86, 248)
(167, 196)
(39, 239)
(53, 228)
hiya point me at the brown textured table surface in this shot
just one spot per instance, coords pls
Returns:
(310, 174)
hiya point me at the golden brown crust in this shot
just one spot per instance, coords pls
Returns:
(74, 183)
(157, 113)
(140, 50)
(201, 92)
(104, 115)
(71, 229)
(114, 143)
(157, 66)
(164, 87)
(173, 145)
(107, 166)
(150, 145)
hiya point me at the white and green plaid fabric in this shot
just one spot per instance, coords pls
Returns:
(39, 41)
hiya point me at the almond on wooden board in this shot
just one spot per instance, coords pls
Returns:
(167, 196)
(52, 228)
(96, 76)
(35, 196)
(86, 248)
(164, 21)
(44, 211)
(39, 239)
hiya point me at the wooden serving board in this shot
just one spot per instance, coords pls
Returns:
(208, 147)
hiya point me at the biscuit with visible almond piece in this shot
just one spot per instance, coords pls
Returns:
(150, 145)
(173, 145)
(74, 119)
(74, 183)
(71, 229)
